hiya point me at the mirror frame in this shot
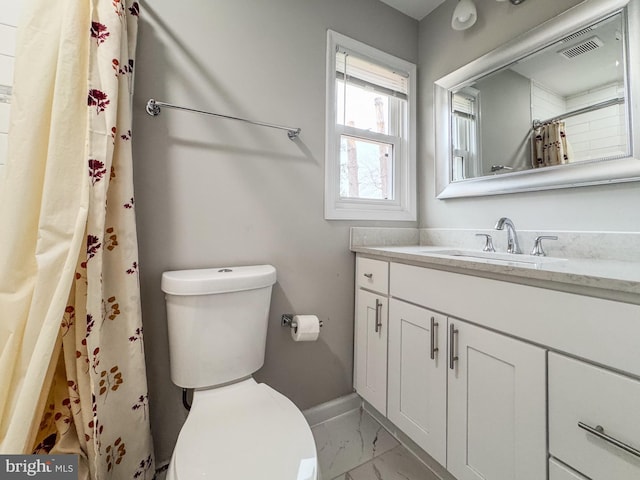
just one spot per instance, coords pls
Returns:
(626, 169)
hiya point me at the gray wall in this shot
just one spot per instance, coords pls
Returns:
(505, 121)
(213, 192)
(442, 50)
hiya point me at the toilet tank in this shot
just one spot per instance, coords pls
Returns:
(217, 319)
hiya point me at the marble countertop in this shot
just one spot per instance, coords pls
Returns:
(610, 279)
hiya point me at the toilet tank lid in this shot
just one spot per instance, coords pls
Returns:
(208, 281)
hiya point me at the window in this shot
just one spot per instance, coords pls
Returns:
(370, 150)
(465, 127)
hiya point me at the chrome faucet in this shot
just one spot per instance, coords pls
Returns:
(512, 236)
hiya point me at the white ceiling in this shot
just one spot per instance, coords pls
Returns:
(417, 9)
(565, 77)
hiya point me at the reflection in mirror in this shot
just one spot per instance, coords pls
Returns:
(474, 160)
(562, 104)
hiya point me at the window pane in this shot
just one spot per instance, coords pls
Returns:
(366, 169)
(464, 134)
(362, 108)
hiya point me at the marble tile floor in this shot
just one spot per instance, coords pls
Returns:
(354, 446)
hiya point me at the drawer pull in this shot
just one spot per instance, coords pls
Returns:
(434, 349)
(368, 275)
(378, 315)
(453, 332)
(598, 431)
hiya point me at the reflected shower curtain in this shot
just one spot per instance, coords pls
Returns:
(72, 373)
(549, 145)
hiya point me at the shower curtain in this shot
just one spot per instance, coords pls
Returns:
(72, 372)
(549, 145)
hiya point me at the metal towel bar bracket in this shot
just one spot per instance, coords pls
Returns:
(288, 321)
(153, 108)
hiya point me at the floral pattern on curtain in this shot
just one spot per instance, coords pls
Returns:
(98, 403)
(550, 146)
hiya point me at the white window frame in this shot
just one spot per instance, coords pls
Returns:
(404, 205)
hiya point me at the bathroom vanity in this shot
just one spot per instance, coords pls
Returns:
(503, 370)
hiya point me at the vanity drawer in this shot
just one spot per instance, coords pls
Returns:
(372, 275)
(558, 471)
(580, 393)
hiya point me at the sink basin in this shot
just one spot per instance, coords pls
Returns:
(497, 258)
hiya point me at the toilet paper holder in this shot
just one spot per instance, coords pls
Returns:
(288, 321)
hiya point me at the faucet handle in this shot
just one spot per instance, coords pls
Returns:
(537, 245)
(488, 242)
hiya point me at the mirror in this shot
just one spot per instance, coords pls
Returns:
(562, 104)
(552, 109)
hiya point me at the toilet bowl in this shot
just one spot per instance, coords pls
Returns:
(244, 431)
(236, 428)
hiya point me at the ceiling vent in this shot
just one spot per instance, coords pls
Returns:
(582, 47)
(577, 34)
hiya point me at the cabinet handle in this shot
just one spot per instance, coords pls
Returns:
(598, 431)
(434, 349)
(378, 315)
(368, 275)
(452, 357)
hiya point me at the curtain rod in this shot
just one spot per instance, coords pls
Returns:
(153, 108)
(579, 111)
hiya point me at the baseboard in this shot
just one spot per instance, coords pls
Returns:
(332, 408)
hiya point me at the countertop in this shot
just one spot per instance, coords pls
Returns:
(609, 279)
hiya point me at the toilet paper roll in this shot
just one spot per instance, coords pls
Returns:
(307, 328)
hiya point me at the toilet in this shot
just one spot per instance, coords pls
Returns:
(236, 428)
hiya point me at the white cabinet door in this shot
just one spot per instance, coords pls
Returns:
(497, 406)
(417, 402)
(371, 349)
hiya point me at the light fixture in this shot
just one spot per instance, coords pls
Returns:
(464, 16)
